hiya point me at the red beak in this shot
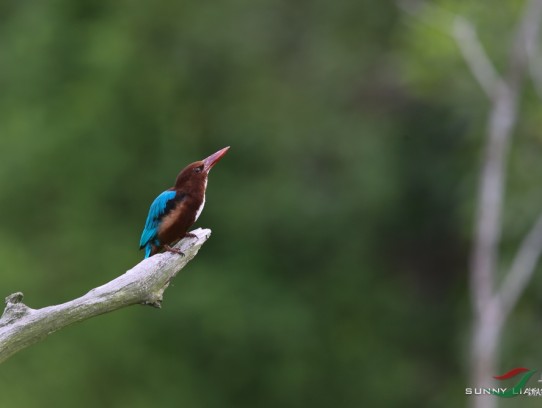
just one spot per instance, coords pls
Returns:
(213, 159)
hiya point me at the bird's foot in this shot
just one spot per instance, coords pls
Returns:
(190, 235)
(174, 250)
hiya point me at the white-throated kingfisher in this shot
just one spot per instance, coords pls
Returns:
(177, 208)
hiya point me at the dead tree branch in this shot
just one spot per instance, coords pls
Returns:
(145, 283)
(492, 306)
(522, 269)
(475, 56)
(493, 303)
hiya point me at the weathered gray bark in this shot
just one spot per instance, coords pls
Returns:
(145, 283)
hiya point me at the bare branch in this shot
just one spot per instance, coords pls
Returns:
(491, 308)
(530, 27)
(21, 326)
(535, 71)
(534, 59)
(522, 268)
(475, 56)
(465, 36)
(525, 261)
(490, 196)
(525, 41)
(502, 119)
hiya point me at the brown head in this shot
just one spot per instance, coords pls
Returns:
(194, 176)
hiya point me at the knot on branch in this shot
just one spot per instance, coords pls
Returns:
(16, 297)
(157, 303)
(155, 299)
(15, 309)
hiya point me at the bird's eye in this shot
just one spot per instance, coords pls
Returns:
(198, 169)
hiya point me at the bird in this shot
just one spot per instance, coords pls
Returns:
(174, 211)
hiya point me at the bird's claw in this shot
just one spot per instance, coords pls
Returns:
(174, 250)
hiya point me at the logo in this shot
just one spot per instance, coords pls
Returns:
(522, 376)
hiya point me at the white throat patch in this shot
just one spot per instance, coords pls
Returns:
(200, 209)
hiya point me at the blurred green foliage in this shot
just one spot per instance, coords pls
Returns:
(341, 217)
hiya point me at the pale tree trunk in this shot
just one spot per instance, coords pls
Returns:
(492, 302)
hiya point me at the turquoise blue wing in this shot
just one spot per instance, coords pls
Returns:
(159, 207)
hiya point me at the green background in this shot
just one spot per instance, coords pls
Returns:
(336, 275)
